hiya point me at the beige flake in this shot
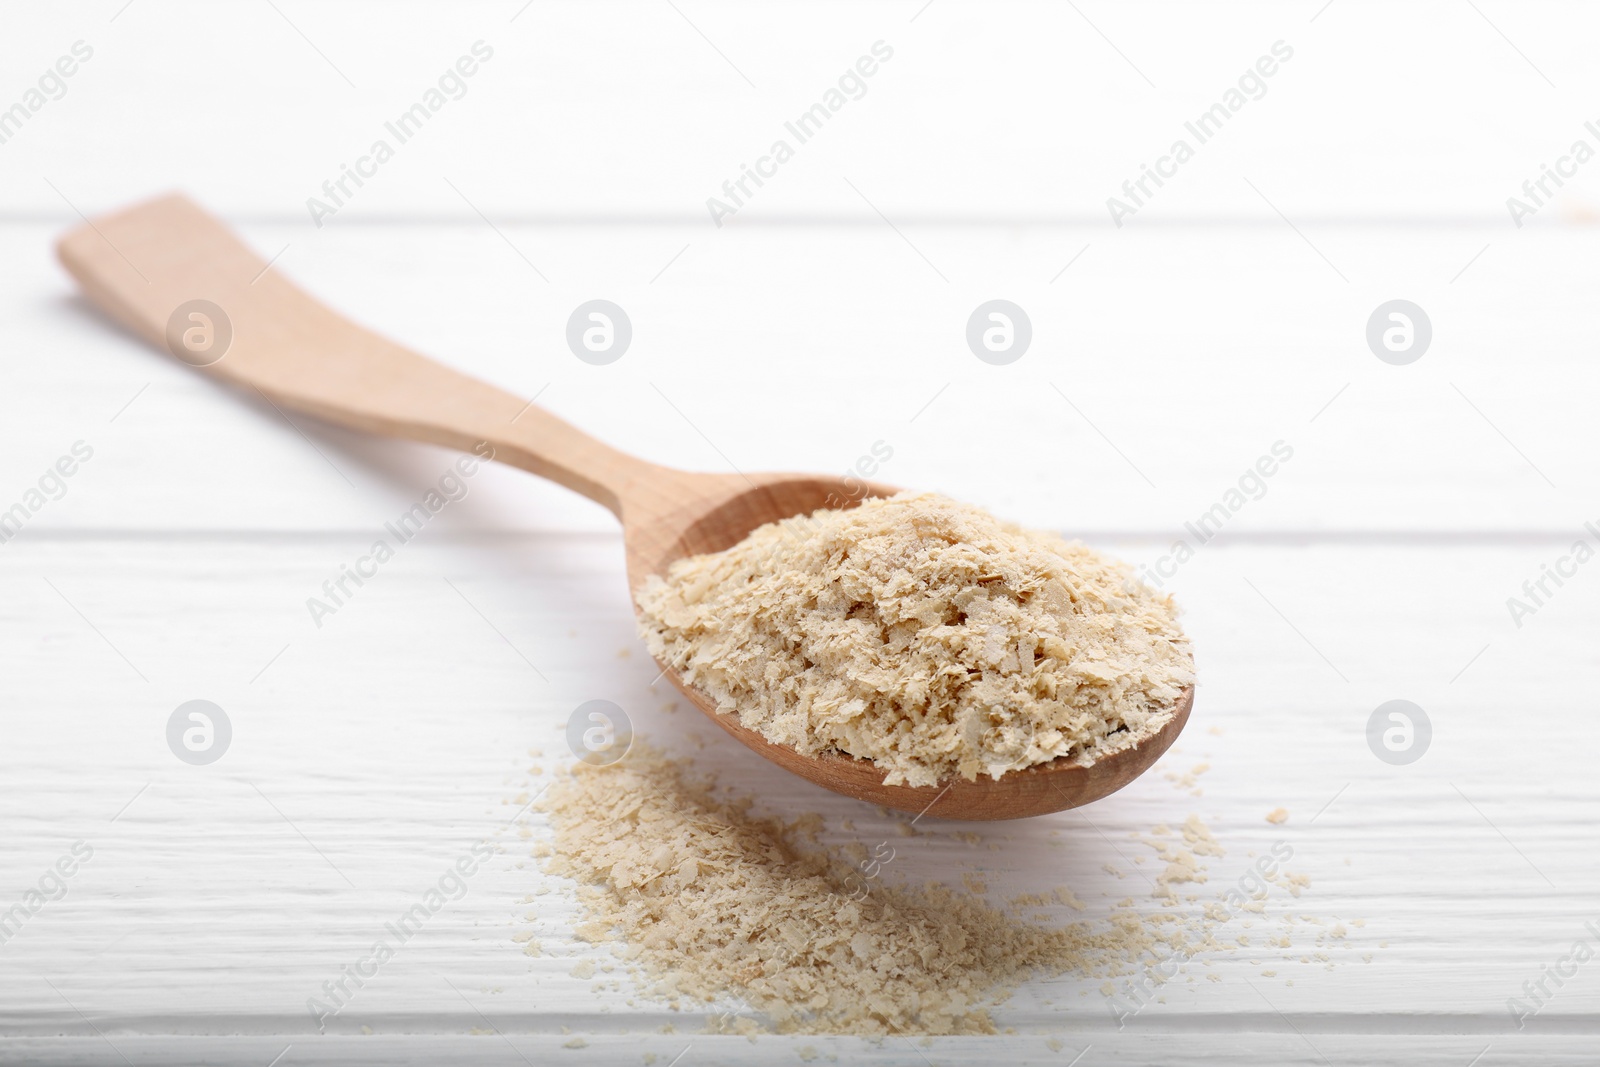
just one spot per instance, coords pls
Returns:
(723, 901)
(924, 635)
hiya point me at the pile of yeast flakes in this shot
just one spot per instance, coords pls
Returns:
(707, 903)
(925, 635)
(711, 900)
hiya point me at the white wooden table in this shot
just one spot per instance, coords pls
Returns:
(826, 317)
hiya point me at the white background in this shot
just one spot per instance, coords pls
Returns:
(828, 315)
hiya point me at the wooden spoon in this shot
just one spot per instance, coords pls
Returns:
(148, 265)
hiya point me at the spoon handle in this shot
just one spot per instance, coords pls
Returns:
(180, 279)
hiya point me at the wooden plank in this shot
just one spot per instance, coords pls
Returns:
(634, 109)
(517, 1050)
(1165, 365)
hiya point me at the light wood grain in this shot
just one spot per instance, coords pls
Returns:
(515, 1050)
(147, 264)
(1417, 616)
(1257, 341)
(1378, 565)
(394, 736)
(1054, 108)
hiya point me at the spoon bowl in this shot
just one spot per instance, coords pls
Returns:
(180, 279)
(722, 513)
